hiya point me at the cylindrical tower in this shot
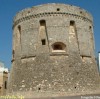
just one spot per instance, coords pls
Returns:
(53, 52)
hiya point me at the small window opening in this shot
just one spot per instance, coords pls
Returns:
(43, 42)
(42, 22)
(58, 46)
(19, 29)
(39, 88)
(5, 84)
(72, 23)
(58, 9)
(90, 27)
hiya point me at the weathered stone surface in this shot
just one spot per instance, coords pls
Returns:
(53, 52)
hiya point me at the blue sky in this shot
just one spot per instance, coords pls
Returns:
(9, 8)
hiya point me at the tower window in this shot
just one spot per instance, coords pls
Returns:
(39, 88)
(19, 35)
(19, 29)
(72, 23)
(90, 27)
(58, 9)
(5, 84)
(58, 46)
(42, 22)
(13, 52)
(43, 42)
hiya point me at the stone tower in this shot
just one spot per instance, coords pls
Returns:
(53, 52)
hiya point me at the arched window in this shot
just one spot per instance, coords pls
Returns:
(58, 46)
